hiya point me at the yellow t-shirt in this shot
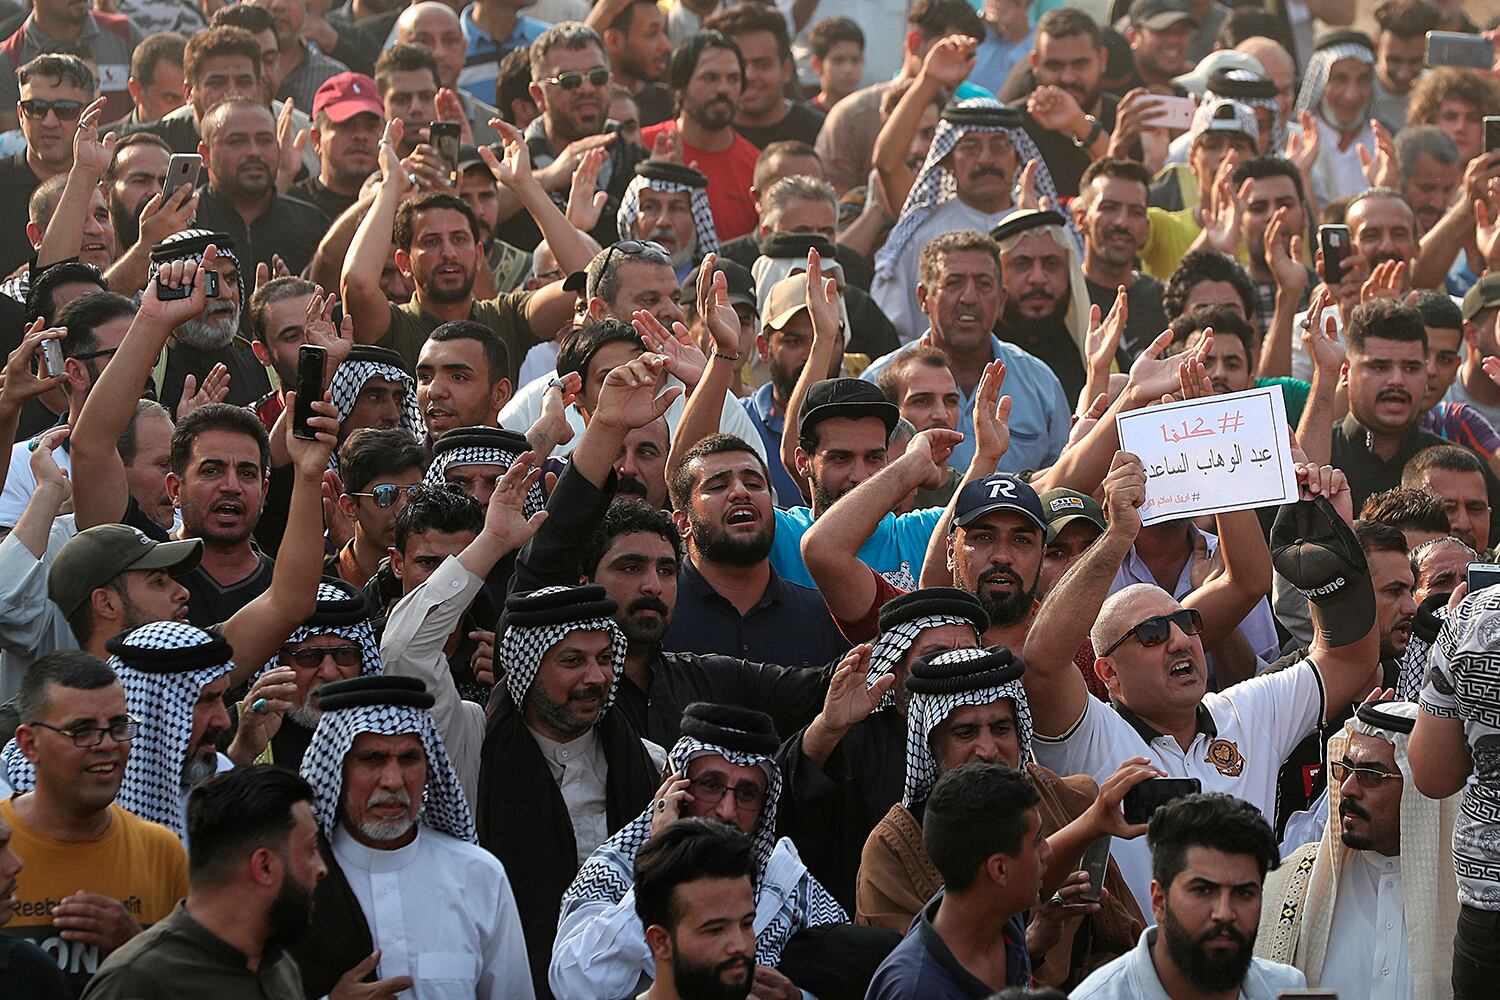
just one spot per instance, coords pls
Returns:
(140, 863)
(1172, 233)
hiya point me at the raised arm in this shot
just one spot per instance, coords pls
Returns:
(573, 249)
(360, 279)
(20, 383)
(1455, 229)
(1315, 429)
(1285, 263)
(333, 248)
(830, 548)
(826, 322)
(703, 412)
(946, 65)
(1054, 687)
(91, 158)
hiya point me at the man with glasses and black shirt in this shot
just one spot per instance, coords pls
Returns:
(1150, 656)
(94, 871)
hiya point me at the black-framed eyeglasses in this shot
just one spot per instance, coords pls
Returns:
(66, 111)
(88, 737)
(313, 656)
(91, 355)
(1367, 777)
(1156, 630)
(746, 795)
(386, 494)
(598, 76)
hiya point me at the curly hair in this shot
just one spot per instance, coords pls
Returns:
(1444, 82)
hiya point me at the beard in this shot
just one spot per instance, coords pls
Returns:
(1006, 609)
(701, 981)
(1208, 973)
(304, 714)
(645, 633)
(387, 830)
(1012, 318)
(127, 220)
(448, 296)
(1354, 841)
(290, 912)
(719, 547)
(559, 716)
(210, 334)
(683, 254)
(203, 763)
(783, 381)
(711, 115)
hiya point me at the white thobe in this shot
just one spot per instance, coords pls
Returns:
(1367, 949)
(579, 769)
(440, 911)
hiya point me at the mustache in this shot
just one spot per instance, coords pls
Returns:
(1225, 930)
(647, 604)
(588, 691)
(632, 486)
(388, 799)
(1397, 394)
(1001, 573)
(1347, 809)
(984, 171)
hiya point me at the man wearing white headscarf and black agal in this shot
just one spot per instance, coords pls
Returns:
(1339, 89)
(371, 388)
(1368, 911)
(722, 767)
(406, 877)
(1046, 306)
(667, 204)
(967, 182)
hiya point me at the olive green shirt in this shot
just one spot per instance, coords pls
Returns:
(505, 314)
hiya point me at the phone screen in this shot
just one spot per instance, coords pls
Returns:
(310, 362)
(1153, 793)
(1335, 244)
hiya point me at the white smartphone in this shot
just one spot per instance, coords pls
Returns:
(1176, 113)
(182, 168)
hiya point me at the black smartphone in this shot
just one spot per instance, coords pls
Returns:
(211, 284)
(1459, 48)
(310, 363)
(1094, 861)
(1482, 575)
(1153, 793)
(444, 138)
(1334, 241)
(1307, 994)
(185, 290)
(1491, 133)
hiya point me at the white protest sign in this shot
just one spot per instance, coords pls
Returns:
(1212, 455)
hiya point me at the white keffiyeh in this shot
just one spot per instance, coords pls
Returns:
(361, 632)
(703, 216)
(536, 499)
(1310, 97)
(350, 378)
(444, 807)
(522, 647)
(894, 643)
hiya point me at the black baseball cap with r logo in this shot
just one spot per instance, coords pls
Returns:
(998, 492)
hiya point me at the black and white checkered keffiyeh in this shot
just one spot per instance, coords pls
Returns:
(703, 217)
(362, 632)
(1310, 97)
(444, 807)
(936, 183)
(536, 499)
(1278, 127)
(925, 712)
(189, 244)
(350, 378)
(521, 648)
(609, 872)
(1208, 111)
(894, 643)
(152, 786)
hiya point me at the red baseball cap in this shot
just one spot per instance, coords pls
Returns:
(345, 95)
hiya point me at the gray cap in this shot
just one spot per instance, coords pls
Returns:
(97, 555)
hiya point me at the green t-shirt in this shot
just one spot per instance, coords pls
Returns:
(505, 314)
(1294, 391)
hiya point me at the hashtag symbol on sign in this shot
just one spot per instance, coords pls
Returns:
(1231, 422)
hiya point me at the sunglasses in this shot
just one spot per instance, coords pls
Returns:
(386, 494)
(66, 111)
(625, 248)
(313, 656)
(1155, 631)
(572, 81)
(711, 792)
(1368, 777)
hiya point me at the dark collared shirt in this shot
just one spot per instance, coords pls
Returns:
(179, 957)
(923, 968)
(18, 181)
(789, 624)
(288, 227)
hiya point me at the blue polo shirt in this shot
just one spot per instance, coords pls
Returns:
(922, 967)
(482, 63)
(1040, 416)
(895, 551)
(761, 406)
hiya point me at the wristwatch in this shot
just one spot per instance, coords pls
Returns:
(1094, 133)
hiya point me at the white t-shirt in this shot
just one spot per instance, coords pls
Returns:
(20, 483)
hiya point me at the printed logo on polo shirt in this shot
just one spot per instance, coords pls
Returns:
(1225, 755)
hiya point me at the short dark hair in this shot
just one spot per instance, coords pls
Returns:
(684, 480)
(370, 453)
(133, 139)
(404, 57)
(578, 347)
(164, 46)
(405, 226)
(212, 43)
(127, 445)
(1069, 22)
(1439, 310)
(1376, 536)
(1206, 265)
(1254, 22)
(73, 669)
(685, 57)
(275, 290)
(892, 378)
(243, 15)
(975, 811)
(1384, 319)
(1407, 510)
(61, 67)
(514, 80)
(1444, 457)
(574, 36)
(234, 814)
(217, 417)
(686, 851)
(626, 17)
(628, 517)
(830, 31)
(748, 18)
(1223, 320)
(441, 508)
(1269, 165)
(496, 357)
(86, 314)
(1407, 19)
(1213, 820)
(939, 18)
(1117, 167)
(39, 296)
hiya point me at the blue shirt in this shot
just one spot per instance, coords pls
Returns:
(997, 56)
(895, 550)
(922, 967)
(482, 63)
(789, 625)
(1040, 417)
(761, 406)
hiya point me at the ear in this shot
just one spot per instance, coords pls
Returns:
(104, 604)
(1132, 35)
(403, 262)
(660, 943)
(1158, 901)
(952, 536)
(597, 310)
(501, 394)
(921, 296)
(26, 741)
(346, 505)
(684, 526)
(803, 462)
(265, 867)
(78, 376)
(203, 149)
(1079, 210)
(261, 352)
(135, 88)
(34, 234)
(174, 489)
(538, 96)
(762, 345)
(995, 868)
(317, 139)
(1471, 332)
(913, 44)
(1104, 669)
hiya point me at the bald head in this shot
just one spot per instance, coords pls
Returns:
(1125, 609)
(1279, 66)
(435, 27)
(429, 15)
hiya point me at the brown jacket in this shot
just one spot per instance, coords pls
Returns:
(897, 878)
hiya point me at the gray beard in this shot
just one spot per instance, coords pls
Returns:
(198, 769)
(209, 335)
(305, 715)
